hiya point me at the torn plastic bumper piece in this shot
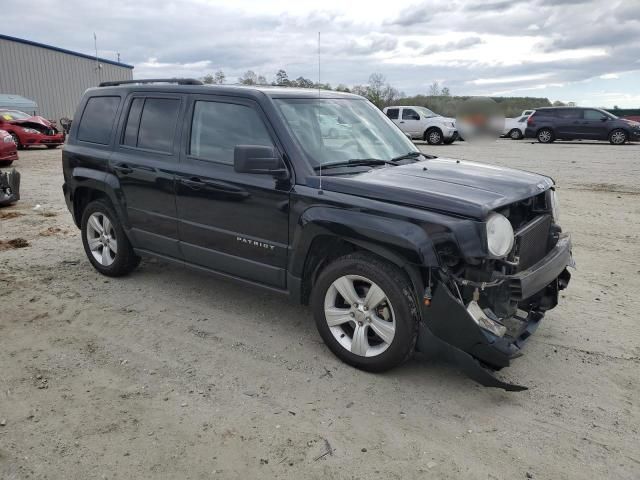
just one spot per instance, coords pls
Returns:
(448, 331)
(9, 187)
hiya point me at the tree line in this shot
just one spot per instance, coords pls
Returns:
(382, 94)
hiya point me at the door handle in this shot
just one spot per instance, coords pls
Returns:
(193, 183)
(124, 169)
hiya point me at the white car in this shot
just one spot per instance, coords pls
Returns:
(422, 124)
(514, 127)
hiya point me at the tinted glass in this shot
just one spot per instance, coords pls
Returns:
(158, 124)
(97, 119)
(593, 115)
(217, 128)
(408, 114)
(392, 113)
(133, 120)
(569, 113)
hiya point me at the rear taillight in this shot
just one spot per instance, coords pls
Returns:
(530, 120)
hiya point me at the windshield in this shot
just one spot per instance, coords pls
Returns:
(426, 112)
(13, 115)
(335, 130)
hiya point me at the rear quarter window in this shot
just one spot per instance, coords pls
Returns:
(97, 119)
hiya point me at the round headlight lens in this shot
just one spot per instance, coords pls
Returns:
(499, 235)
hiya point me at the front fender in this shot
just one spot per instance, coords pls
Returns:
(400, 241)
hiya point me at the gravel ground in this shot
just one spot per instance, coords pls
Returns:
(171, 374)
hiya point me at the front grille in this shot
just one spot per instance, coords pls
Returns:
(532, 241)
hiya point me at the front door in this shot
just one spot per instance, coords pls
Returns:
(235, 223)
(144, 161)
(410, 122)
(595, 124)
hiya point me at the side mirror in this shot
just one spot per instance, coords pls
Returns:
(604, 118)
(258, 159)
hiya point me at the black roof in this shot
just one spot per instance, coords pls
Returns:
(187, 85)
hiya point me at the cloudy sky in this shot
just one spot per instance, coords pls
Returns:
(587, 51)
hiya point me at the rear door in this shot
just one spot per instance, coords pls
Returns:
(144, 161)
(410, 122)
(235, 223)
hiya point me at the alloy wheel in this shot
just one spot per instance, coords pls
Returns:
(544, 136)
(101, 238)
(359, 315)
(618, 137)
(434, 137)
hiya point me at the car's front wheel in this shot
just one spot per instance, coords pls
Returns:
(433, 136)
(105, 241)
(365, 312)
(618, 137)
(16, 140)
(545, 135)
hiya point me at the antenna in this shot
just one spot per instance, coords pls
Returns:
(320, 191)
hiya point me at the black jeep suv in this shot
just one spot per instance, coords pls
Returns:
(569, 123)
(394, 250)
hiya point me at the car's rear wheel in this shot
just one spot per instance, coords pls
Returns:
(618, 137)
(365, 312)
(515, 134)
(5, 163)
(545, 135)
(105, 242)
(433, 136)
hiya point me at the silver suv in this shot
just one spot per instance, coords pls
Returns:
(420, 123)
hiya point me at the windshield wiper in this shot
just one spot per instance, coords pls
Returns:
(406, 156)
(356, 162)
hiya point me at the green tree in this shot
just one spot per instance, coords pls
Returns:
(282, 78)
(219, 77)
(207, 79)
(249, 78)
(445, 92)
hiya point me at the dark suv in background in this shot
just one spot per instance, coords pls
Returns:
(392, 248)
(577, 123)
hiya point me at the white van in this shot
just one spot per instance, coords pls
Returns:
(420, 123)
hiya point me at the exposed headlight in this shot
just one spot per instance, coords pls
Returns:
(7, 139)
(31, 130)
(555, 206)
(499, 235)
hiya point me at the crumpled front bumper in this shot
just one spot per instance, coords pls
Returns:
(450, 331)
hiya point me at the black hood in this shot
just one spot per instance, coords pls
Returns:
(464, 188)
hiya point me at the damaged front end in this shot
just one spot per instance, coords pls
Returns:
(478, 313)
(9, 187)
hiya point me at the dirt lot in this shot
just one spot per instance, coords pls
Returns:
(171, 374)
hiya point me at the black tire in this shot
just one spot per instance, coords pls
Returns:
(545, 135)
(618, 137)
(5, 163)
(125, 260)
(515, 134)
(19, 146)
(433, 136)
(51, 147)
(398, 291)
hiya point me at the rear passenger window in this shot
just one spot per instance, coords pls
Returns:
(151, 124)
(392, 113)
(593, 115)
(217, 128)
(408, 114)
(97, 120)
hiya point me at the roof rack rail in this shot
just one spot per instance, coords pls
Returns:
(179, 81)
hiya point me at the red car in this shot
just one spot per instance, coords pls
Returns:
(28, 130)
(8, 149)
